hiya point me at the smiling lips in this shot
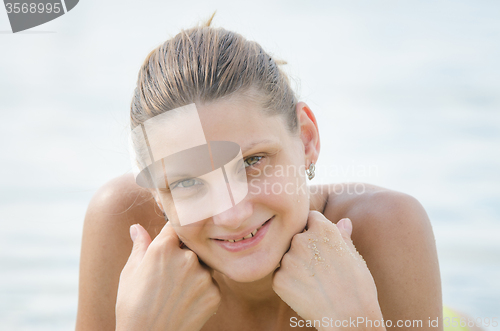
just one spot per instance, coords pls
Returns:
(244, 243)
(248, 236)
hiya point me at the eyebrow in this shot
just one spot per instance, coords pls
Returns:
(183, 175)
(255, 143)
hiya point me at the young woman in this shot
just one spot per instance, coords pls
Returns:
(273, 261)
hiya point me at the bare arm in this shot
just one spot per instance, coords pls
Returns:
(106, 246)
(392, 231)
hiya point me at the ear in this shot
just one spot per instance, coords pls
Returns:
(309, 133)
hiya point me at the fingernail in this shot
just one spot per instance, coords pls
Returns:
(133, 232)
(340, 224)
(348, 225)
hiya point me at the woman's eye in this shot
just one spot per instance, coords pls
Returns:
(250, 161)
(187, 183)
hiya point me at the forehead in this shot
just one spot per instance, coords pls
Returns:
(240, 120)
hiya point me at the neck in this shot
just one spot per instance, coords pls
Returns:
(254, 305)
(250, 296)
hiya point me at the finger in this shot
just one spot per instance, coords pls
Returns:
(316, 220)
(141, 240)
(168, 235)
(345, 229)
(202, 263)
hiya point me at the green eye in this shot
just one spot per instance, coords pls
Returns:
(187, 183)
(250, 161)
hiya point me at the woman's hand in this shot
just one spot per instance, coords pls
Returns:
(164, 287)
(322, 276)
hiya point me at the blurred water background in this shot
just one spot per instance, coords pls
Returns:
(407, 96)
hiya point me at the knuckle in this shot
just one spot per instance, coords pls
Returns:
(299, 239)
(277, 281)
(191, 258)
(286, 258)
(156, 244)
(123, 275)
(214, 294)
(214, 298)
(157, 249)
(285, 262)
(316, 219)
(170, 239)
(314, 213)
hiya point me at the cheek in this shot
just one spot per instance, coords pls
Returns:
(190, 235)
(283, 192)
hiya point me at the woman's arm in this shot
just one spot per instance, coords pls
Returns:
(106, 246)
(392, 231)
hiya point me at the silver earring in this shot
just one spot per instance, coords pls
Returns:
(310, 172)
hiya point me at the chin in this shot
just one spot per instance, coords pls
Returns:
(252, 268)
(247, 275)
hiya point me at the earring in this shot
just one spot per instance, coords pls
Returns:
(310, 172)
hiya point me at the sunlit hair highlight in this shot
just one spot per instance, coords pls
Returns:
(204, 64)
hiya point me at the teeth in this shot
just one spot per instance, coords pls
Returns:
(250, 235)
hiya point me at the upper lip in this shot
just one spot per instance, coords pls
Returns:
(241, 234)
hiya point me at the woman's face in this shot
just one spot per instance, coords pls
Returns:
(277, 203)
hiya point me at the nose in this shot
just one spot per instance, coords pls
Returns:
(235, 216)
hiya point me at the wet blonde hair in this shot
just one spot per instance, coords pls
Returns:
(203, 64)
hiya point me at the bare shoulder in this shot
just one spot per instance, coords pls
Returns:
(106, 245)
(121, 202)
(380, 216)
(393, 233)
(363, 203)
